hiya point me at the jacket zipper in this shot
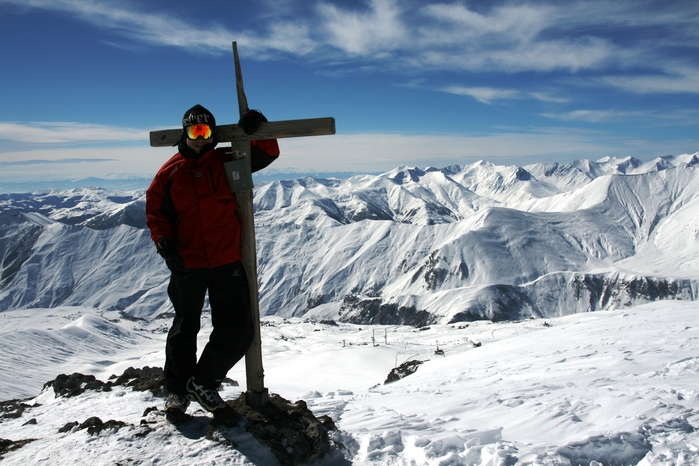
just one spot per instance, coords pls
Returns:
(211, 172)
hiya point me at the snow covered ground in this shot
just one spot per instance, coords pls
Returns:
(609, 387)
(82, 291)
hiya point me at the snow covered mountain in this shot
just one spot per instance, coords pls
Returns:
(409, 246)
(82, 290)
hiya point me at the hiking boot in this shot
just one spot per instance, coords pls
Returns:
(176, 408)
(177, 402)
(208, 398)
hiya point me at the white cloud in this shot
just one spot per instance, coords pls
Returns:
(447, 36)
(367, 153)
(68, 133)
(364, 33)
(361, 153)
(80, 163)
(485, 95)
(508, 38)
(569, 55)
(514, 37)
(548, 97)
(681, 80)
(594, 116)
(536, 36)
(135, 23)
(510, 23)
(285, 37)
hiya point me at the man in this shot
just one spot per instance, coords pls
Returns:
(196, 226)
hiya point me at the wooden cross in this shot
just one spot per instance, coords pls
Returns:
(256, 394)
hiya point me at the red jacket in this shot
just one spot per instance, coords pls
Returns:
(189, 201)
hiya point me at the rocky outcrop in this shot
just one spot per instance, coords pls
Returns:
(290, 430)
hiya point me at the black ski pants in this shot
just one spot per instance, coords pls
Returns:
(232, 333)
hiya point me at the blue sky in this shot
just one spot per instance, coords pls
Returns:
(409, 82)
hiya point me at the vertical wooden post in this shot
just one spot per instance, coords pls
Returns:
(256, 395)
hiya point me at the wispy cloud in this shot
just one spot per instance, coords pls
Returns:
(592, 35)
(488, 95)
(134, 22)
(509, 37)
(548, 97)
(669, 117)
(76, 163)
(594, 116)
(378, 29)
(679, 81)
(509, 23)
(485, 95)
(44, 162)
(362, 153)
(67, 133)
(380, 152)
(607, 38)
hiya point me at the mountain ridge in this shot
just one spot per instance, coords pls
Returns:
(416, 246)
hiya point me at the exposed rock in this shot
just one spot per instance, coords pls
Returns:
(9, 445)
(72, 385)
(12, 409)
(231, 382)
(375, 311)
(150, 410)
(290, 430)
(147, 378)
(68, 427)
(402, 371)
(95, 425)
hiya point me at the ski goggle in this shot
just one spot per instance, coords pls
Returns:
(199, 131)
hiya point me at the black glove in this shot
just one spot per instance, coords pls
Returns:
(167, 247)
(250, 121)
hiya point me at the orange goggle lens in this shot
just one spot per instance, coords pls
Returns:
(199, 131)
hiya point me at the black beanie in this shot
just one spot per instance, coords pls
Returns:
(198, 115)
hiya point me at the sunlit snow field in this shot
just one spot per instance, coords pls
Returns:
(616, 387)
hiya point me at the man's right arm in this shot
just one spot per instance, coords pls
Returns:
(264, 152)
(160, 210)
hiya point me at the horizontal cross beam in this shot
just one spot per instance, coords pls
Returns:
(271, 130)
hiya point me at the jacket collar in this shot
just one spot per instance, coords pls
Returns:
(188, 153)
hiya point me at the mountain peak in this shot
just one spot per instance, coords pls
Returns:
(417, 245)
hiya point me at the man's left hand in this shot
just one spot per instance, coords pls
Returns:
(250, 121)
